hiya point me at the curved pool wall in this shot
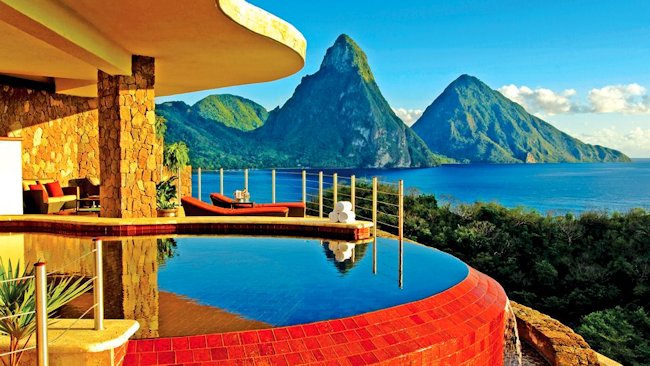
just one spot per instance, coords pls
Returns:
(463, 325)
(288, 281)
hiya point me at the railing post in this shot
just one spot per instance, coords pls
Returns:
(199, 184)
(374, 207)
(98, 287)
(40, 278)
(304, 186)
(400, 230)
(221, 181)
(273, 185)
(246, 179)
(179, 184)
(320, 194)
(353, 191)
(335, 189)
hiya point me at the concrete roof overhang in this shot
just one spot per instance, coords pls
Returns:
(197, 44)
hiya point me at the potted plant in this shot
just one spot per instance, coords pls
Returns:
(175, 157)
(166, 197)
(18, 302)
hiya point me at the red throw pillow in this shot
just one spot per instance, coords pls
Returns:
(54, 189)
(39, 187)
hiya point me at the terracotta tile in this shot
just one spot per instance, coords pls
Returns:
(162, 344)
(324, 328)
(202, 355)
(297, 345)
(166, 357)
(249, 337)
(184, 356)
(266, 349)
(294, 358)
(220, 353)
(318, 354)
(279, 361)
(310, 329)
(281, 334)
(356, 360)
(180, 343)
(339, 338)
(235, 352)
(149, 358)
(132, 347)
(282, 347)
(266, 335)
(296, 332)
(231, 339)
(214, 340)
(337, 325)
(145, 345)
(197, 342)
(368, 345)
(251, 351)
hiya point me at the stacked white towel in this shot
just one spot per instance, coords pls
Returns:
(342, 213)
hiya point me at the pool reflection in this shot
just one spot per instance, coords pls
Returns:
(194, 285)
(344, 255)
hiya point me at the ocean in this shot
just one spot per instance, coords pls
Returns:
(545, 188)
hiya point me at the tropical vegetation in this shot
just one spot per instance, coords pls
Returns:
(18, 304)
(591, 271)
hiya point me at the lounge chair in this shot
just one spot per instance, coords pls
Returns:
(296, 209)
(195, 207)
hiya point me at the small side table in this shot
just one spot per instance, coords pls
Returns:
(92, 201)
(242, 204)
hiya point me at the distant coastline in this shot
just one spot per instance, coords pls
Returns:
(556, 188)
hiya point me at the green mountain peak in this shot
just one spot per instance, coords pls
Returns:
(472, 122)
(232, 111)
(346, 56)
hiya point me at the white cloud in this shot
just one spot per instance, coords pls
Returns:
(627, 99)
(631, 98)
(541, 100)
(634, 142)
(409, 116)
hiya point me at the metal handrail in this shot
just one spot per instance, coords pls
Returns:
(78, 259)
(341, 187)
(17, 315)
(17, 279)
(17, 351)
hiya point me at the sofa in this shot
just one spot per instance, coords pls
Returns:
(195, 207)
(39, 201)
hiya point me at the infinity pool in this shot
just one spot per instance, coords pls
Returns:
(206, 284)
(286, 281)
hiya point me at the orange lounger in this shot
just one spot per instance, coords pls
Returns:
(296, 209)
(195, 207)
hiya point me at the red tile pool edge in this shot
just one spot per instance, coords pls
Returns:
(460, 326)
(213, 228)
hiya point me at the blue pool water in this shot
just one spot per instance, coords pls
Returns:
(285, 281)
(554, 188)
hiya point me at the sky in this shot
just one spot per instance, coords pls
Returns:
(583, 66)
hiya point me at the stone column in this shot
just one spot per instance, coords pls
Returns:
(129, 153)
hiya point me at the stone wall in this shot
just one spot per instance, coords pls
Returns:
(559, 344)
(59, 132)
(61, 136)
(130, 155)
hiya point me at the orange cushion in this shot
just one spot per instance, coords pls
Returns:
(54, 189)
(39, 187)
